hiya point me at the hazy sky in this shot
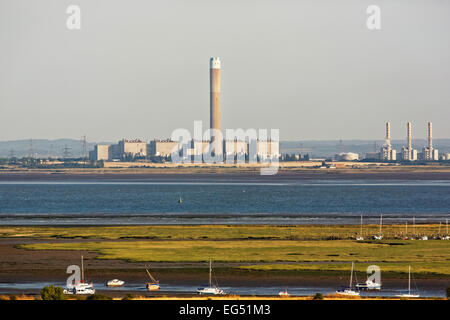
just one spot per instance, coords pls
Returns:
(139, 69)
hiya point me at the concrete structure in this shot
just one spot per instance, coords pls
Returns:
(133, 148)
(429, 153)
(263, 150)
(161, 148)
(235, 148)
(214, 103)
(445, 156)
(409, 153)
(100, 152)
(387, 153)
(199, 147)
(346, 156)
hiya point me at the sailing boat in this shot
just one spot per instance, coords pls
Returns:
(348, 291)
(447, 237)
(408, 295)
(211, 289)
(284, 293)
(153, 285)
(180, 200)
(380, 234)
(80, 287)
(361, 232)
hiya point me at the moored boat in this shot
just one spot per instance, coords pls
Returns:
(211, 288)
(348, 291)
(115, 283)
(80, 287)
(153, 285)
(408, 294)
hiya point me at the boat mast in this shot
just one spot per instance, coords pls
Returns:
(446, 225)
(381, 223)
(210, 271)
(351, 276)
(82, 270)
(414, 226)
(406, 233)
(361, 227)
(409, 280)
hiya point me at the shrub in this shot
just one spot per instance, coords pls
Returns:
(52, 293)
(129, 296)
(318, 296)
(98, 297)
(448, 292)
(13, 297)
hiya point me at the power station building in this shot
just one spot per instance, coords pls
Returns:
(387, 153)
(216, 145)
(429, 153)
(407, 153)
(161, 148)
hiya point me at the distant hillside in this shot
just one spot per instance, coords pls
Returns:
(317, 149)
(328, 148)
(43, 148)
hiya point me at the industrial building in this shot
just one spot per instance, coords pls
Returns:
(100, 152)
(387, 153)
(408, 153)
(161, 148)
(132, 149)
(429, 153)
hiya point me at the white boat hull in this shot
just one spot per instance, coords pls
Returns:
(115, 283)
(82, 288)
(210, 290)
(407, 295)
(348, 292)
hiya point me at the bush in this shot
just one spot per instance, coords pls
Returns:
(98, 297)
(448, 292)
(129, 296)
(13, 297)
(318, 296)
(52, 293)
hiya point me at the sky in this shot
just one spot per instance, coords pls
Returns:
(140, 68)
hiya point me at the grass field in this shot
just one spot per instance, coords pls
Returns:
(425, 257)
(219, 232)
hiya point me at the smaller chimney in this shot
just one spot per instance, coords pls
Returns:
(388, 133)
(409, 136)
(430, 136)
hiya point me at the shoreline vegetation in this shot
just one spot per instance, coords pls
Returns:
(223, 298)
(249, 249)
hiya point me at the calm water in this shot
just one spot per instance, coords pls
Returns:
(305, 202)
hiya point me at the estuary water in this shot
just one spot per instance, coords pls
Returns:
(232, 202)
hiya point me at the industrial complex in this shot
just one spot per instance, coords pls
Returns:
(249, 148)
(408, 153)
(259, 149)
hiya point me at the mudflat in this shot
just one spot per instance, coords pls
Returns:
(222, 173)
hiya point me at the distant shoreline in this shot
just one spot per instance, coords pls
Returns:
(224, 174)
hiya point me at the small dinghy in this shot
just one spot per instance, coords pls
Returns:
(115, 283)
